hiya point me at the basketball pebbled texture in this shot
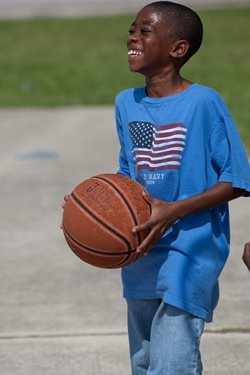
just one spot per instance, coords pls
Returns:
(98, 219)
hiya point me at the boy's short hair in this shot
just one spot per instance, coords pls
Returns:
(182, 22)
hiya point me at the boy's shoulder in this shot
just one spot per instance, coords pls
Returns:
(130, 94)
(211, 99)
(206, 91)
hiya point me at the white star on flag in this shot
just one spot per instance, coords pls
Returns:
(157, 147)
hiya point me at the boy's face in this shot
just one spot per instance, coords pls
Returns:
(148, 43)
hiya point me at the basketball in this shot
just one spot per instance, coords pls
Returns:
(98, 219)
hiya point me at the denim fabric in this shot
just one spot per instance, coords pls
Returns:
(163, 339)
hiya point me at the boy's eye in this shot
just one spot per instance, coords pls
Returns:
(143, 31)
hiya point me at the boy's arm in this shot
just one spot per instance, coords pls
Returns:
(246, 255)
(164, 214)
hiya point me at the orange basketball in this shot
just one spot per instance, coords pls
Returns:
(98, 219)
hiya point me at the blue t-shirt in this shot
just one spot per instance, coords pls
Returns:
(176, 147)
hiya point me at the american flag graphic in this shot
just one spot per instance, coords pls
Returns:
(157, 147)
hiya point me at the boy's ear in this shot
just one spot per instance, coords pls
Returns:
(180, 49)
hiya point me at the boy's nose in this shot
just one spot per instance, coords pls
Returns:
(132, 38)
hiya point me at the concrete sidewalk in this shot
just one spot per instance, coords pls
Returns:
(58, 315)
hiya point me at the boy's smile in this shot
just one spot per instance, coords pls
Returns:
(148, 43)
(155, 51)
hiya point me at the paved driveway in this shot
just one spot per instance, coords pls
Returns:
(58, 315)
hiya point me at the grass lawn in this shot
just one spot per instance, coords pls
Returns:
(52, 62)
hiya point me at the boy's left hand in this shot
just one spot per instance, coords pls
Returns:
(246, 255)
(163, 215)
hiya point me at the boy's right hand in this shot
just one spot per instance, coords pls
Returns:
(246, 255)
(63, 205)
(65, 200)
(163, 215)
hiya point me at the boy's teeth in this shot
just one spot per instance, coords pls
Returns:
(134, 52)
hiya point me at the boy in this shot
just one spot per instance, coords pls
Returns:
(179, 140)
(246, 255)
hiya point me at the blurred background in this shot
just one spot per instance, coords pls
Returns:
(61, 65)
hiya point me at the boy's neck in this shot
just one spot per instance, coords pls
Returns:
(166, 85)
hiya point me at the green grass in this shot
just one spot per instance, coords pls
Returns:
(56, 62)
(52, 62)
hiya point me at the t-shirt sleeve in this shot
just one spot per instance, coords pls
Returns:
(123, 162)
(228, 154)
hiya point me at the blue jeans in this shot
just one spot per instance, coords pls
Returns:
(163, 339)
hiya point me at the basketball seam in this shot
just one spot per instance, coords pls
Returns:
(95, 250)
(119, 235)
(84, 247)
(138, 234)
(123, 262)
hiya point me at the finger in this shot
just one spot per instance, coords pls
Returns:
(246, 255)
(246, 261)
(152, 238)
(147, 197)
(144, 247)
(142, 227)
(247, 247)
(65, 198)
